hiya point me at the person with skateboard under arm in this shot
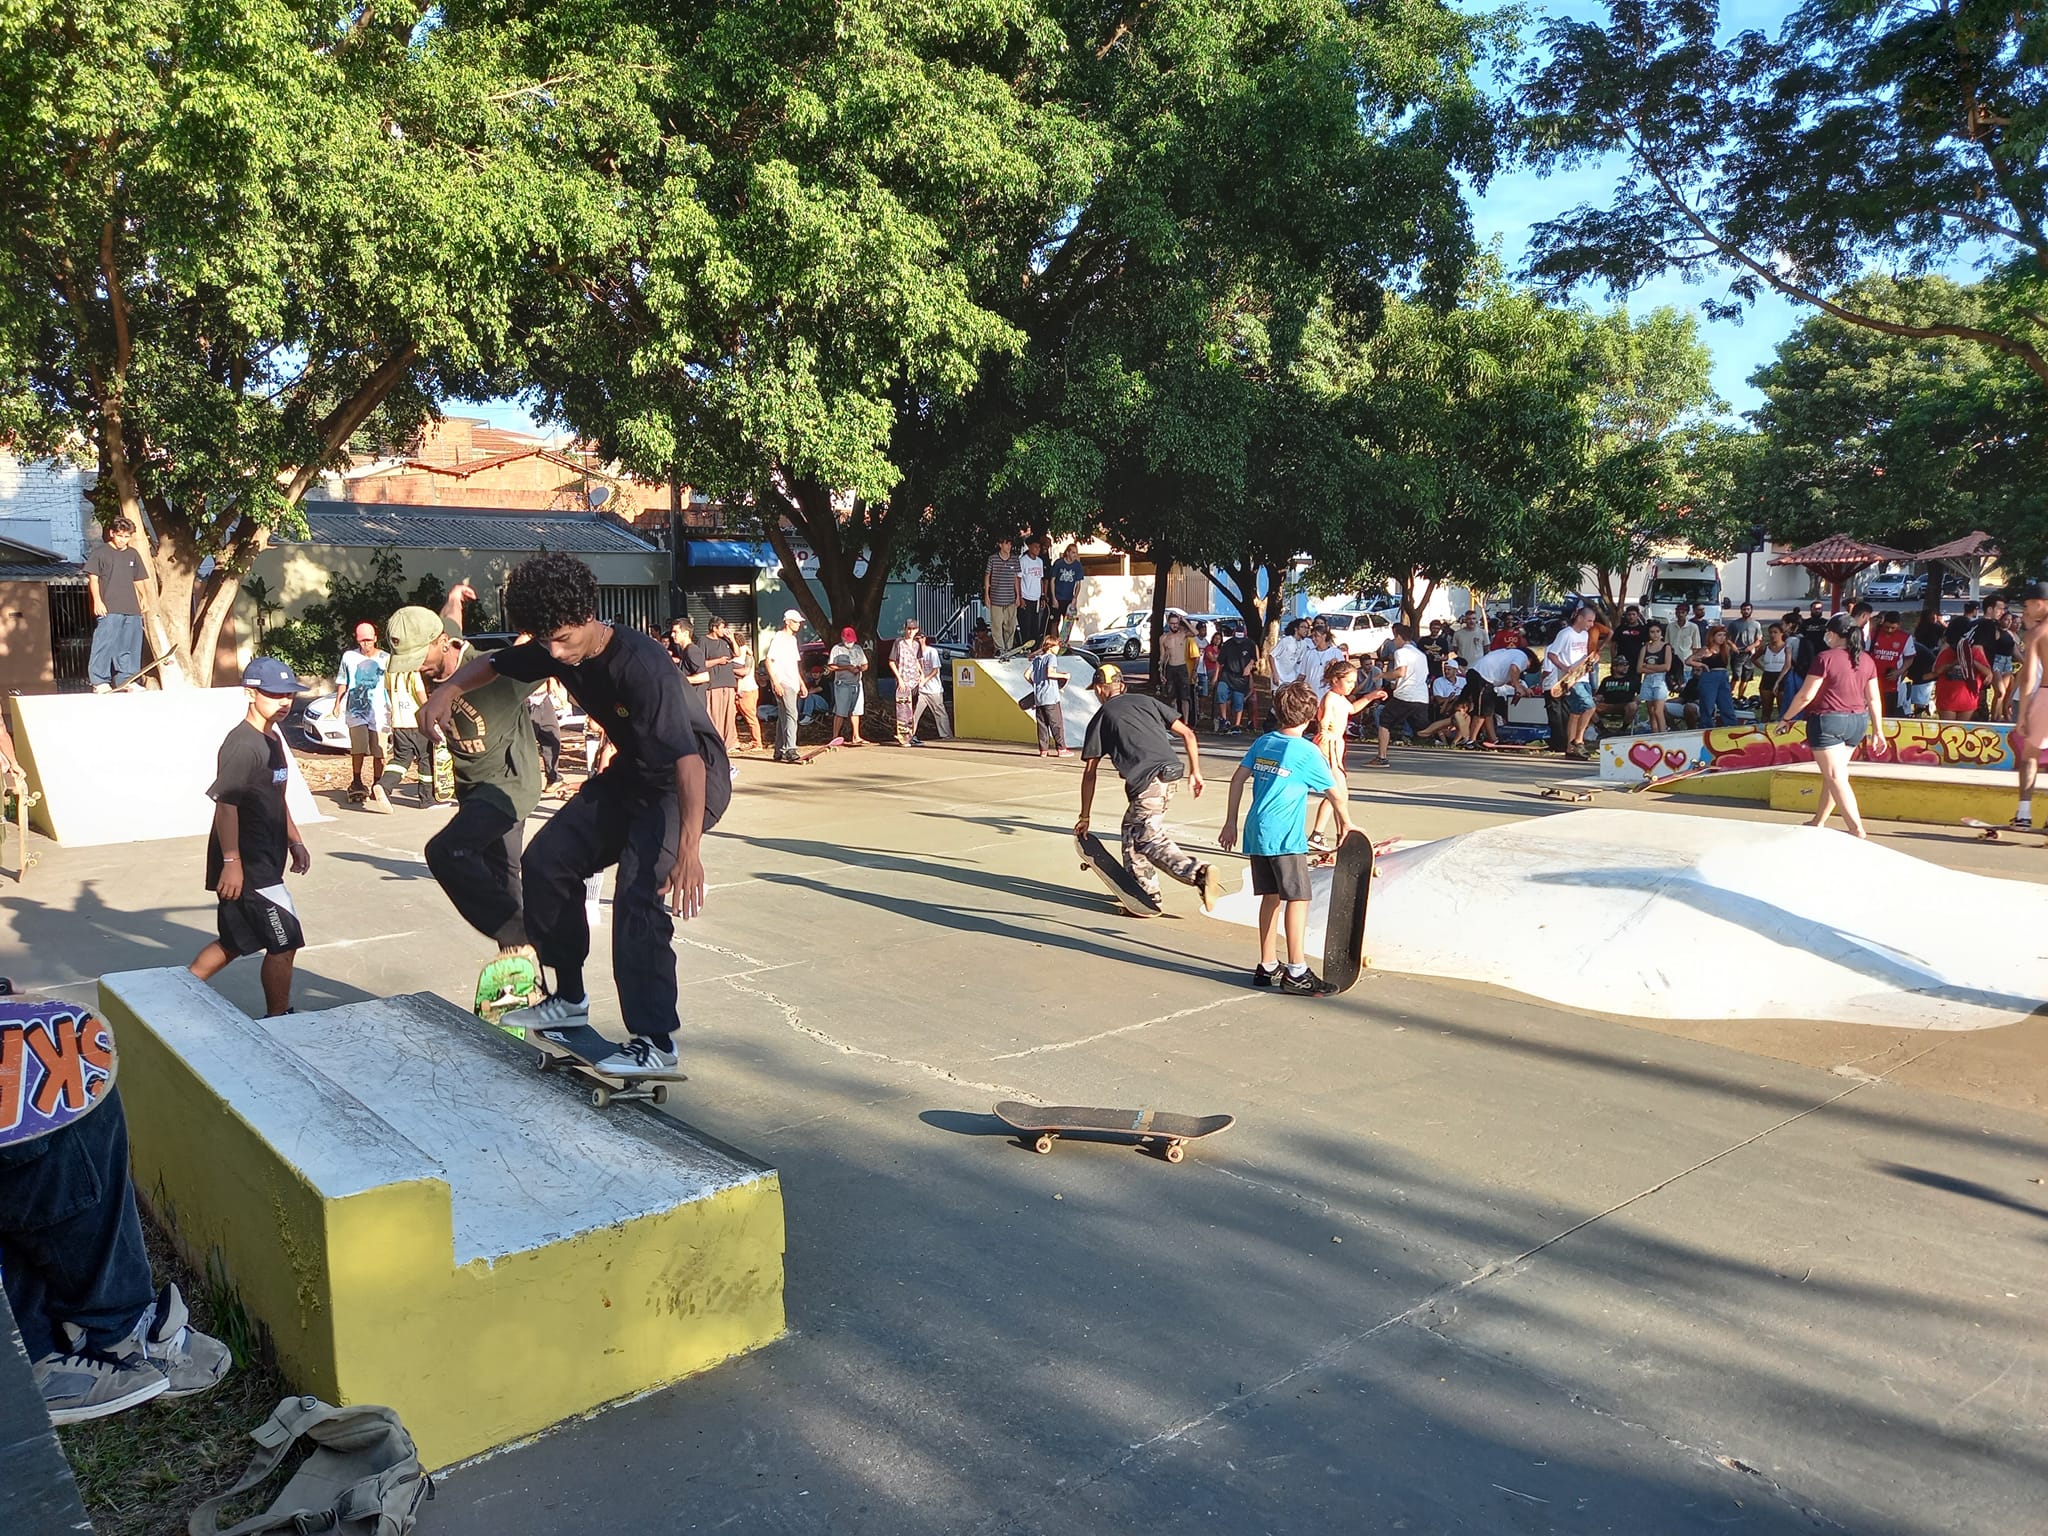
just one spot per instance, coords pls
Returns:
(646, 812)
(498, 782)
(1284, 770)
(1137, 733)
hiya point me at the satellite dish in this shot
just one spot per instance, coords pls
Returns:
(597, 496)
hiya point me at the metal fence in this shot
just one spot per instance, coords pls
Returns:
(70, 634)
(641, 608)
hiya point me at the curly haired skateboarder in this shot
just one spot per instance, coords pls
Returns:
(1137, 732)
(475, 858)
(646, 811)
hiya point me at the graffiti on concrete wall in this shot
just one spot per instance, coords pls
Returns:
(1729, 748)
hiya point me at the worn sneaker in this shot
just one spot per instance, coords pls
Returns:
(191, 1361)
(638, 1057)
(1210, 886)
(88, 1385)
(1261, 977)
(549, 1011)
(1307, 984)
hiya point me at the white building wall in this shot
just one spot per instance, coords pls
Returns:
(42, 502)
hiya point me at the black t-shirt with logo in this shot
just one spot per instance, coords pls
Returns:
(250, 775)
(1629, 640)
(1813, 629)
(1234, 660)
(634, 694)
(1135, 732)
(490, 739)
(118, 571)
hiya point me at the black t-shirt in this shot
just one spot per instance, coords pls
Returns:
(1929, 636)
(633, 693)
(1629, 640)
(2002, 644)
(118, 571)
(1813, 629)
(490, 739)
(1135, 732)
(1234, 660)
(718, 656)
(1981, 631)
(250, 775)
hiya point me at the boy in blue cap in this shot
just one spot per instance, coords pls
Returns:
(253, 838)
(1284, 771)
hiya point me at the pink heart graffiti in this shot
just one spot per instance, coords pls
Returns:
(1675, 759)
(1646, 755)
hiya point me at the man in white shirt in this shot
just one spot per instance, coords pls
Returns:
(1407, 683)
(1289, 654)
(783, 658)
(1031, 591)
(1566, 668)
(1322, 650)
(931, 693)
(1496, 678)
(1685, 635)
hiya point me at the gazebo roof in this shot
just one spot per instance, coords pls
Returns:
(1971, 546)
(1838, 549)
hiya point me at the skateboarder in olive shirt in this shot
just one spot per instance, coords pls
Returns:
(253, 838)
(1137, 732)
(645, 811)
(498, 782)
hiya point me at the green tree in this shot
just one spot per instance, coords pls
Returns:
(1884, 133)
(1902, 442)
(234, 236)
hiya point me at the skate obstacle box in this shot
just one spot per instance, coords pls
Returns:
(419, 1218)
(130, 767)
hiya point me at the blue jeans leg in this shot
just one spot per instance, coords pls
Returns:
(116, 649)
(1717, 702)
(786, 707)
(70, 1242)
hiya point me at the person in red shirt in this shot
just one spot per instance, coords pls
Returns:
(1839, 700)
(1508, 637)
(1888, 649)
(1961, 674)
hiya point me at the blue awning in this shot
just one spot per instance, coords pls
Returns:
(727, 552)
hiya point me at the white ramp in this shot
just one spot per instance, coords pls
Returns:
(1681, 917)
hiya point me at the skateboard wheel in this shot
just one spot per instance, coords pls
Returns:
(1175, 1151)
(545, 1062)
(659, 1093)
(1043, 1144)
(601, 1097)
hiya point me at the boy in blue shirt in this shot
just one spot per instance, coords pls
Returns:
(1284, 771)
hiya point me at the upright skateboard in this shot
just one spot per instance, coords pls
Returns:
(23, 799)
(1130, 895)
(1344, 932)
(1038, 1126)
(580, 1048)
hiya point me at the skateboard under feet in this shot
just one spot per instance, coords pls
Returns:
(578, 1048)
(1098, 861)
(1993, 832)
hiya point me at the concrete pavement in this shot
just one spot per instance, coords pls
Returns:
(1465, 1263)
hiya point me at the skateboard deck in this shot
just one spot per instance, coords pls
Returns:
(57, 1061)
(1097, 859)
(1576, 794)
(507, 982)
(1350, 889)
(579, 1048)
(23, 800)
(1690, 771)
(817, 752)
(1038, 1126)
(1993, 832)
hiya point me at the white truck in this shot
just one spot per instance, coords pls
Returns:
(1697, 582)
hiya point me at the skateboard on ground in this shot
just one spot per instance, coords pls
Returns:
(507, 982)
(1350, 889)
(1038, 1126)
(1130, 895)
(1993, 832)
(57, 1061)
(1576, 794)
(579, 1048)
(817, 752)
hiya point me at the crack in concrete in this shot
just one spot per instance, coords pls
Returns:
(1125, 1029)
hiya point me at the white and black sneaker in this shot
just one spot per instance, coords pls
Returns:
(89, 1385)
(548, 1011)
(638, 1057)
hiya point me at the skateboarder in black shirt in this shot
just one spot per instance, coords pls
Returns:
(646, 811)
(1144, 738)
(253, 838)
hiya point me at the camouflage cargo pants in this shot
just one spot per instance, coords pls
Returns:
(1148, 851)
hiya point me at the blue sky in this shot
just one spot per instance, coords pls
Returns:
(1515, 201)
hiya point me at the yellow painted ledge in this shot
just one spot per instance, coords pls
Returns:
(474, 1245)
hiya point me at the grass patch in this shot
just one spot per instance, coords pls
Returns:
(143, 1472)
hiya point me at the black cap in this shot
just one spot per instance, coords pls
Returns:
(2034, 592)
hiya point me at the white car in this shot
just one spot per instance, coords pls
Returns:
(1130, 635)
(1359, 633)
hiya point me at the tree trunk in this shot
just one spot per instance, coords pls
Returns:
(1161, 565)
(1411, 604)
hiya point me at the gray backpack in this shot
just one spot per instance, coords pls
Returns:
(363, 1478)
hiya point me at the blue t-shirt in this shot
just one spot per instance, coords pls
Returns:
(1043, 689)
(1286, 770)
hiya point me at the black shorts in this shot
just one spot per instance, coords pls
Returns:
(1280, 874)
(255, 922)
(1395, 713)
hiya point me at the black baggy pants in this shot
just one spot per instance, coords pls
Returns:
(613, 819)
(476, 860)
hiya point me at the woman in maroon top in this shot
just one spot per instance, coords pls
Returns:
(1840, 701)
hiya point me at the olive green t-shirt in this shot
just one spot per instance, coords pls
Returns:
(490, 737)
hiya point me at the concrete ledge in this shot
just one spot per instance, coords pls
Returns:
(1944, 796)
(422, 1219)
(131, 767)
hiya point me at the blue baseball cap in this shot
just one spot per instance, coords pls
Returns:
(273, 677)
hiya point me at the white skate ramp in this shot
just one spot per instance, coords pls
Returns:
(1683, 917)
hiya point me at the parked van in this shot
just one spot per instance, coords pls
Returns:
(1672, 582)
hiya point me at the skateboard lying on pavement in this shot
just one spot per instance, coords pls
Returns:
(1107, 868)
(1344, 931)
(1576, 794)
(1038, 1126)
(580, 1048)
(1993, 832)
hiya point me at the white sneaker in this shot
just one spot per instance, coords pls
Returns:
(638, 1057)
(192, 1361)
(552, 1010)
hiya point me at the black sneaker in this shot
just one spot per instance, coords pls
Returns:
(1261, 977)
(1307, 984)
